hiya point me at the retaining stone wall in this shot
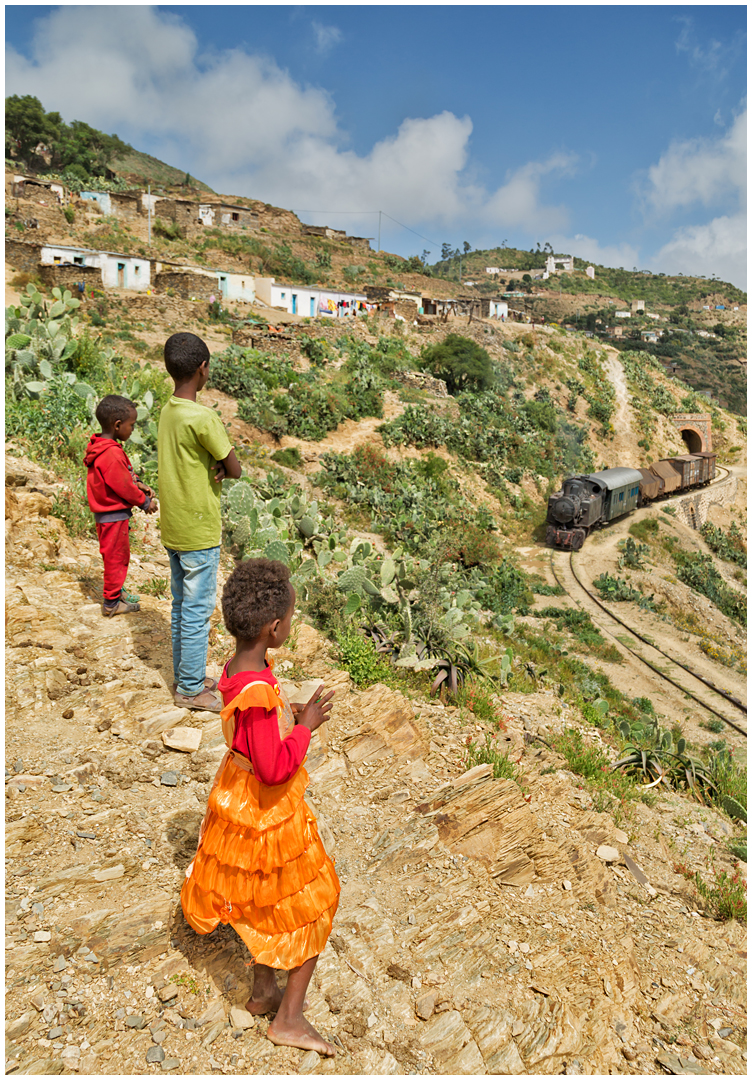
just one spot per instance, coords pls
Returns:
(172, 307)
(693, 509)
(421, 381)
(23, 256)
(68, 277)
(188, 285)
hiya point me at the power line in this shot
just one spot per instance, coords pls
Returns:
(410, 230)
(360, 213)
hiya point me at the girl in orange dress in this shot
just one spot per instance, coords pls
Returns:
(260, 864)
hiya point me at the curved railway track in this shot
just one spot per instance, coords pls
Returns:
(568, 563)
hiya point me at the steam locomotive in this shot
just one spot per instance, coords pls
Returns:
(588, 501)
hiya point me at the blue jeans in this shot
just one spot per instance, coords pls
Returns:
(193, 585)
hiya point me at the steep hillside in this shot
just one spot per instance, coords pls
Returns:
(534, 778)
(518, 938)
(142, 169)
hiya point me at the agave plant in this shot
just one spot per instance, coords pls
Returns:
(651, 754)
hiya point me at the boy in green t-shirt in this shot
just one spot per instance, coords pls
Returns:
(195, 456)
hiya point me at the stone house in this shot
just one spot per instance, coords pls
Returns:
(126, 206)
(44, 192)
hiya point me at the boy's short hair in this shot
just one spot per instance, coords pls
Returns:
(112, 408)
(257, 592)
(184, 354)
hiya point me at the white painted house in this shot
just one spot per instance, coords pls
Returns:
(101, 198)
(309, 301)
(498, 309)
(236, 286)
(118, 271)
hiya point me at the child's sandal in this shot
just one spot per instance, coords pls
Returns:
(120, 607)
(129, 598)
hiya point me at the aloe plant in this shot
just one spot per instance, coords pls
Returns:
(651, 754)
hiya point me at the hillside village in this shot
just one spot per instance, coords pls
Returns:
(512, 900)
(196, 245)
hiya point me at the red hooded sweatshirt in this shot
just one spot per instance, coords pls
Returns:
(111, 482)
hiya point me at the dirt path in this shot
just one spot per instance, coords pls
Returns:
(624, 438)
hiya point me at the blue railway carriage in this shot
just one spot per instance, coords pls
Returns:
(587, 501)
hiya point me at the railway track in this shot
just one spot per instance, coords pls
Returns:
(697, 687)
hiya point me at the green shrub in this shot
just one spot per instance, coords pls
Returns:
(487, 753)
(697, 570)
(168, 230)
(69, 214)
(290, 458)
(360, 658)
(644, 530)
(617, 589)
(460, 362)
(725, 895)
(587, 761)
(56, 425)
(729, 545)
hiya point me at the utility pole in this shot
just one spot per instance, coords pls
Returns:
(149, 211)
(379, 230)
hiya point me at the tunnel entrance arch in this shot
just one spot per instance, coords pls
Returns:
(696, 431)
(692, 440)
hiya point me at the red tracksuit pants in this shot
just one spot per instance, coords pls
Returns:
(116, 554)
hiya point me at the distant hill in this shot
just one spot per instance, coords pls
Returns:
(139, 168)
(704, 340)
(628, 285)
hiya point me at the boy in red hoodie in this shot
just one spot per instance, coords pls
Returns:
(112, 489)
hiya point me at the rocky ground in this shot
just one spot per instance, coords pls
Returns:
(483, 927)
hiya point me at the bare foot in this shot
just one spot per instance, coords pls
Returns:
(300, 1034)
(269, 1003)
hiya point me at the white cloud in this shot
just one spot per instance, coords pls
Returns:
(718, 247)
(702, 171)
(516, 203)
(712, 57)
(709, 172)
(245, 126)
(326, 36)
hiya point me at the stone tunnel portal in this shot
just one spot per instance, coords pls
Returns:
(695, 429)
(692, 440)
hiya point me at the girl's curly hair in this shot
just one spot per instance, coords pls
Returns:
(257, 592)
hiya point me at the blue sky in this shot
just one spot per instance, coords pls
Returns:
(617, 133)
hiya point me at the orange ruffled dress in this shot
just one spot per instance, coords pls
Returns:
(260, 864)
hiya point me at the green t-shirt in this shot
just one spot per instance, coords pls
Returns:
(192, 439)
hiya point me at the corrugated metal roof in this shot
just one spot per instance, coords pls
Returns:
(616, 478)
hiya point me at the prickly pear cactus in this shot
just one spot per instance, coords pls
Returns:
(277, 550)
(352, 580)
(306, 526)
(734, 808)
